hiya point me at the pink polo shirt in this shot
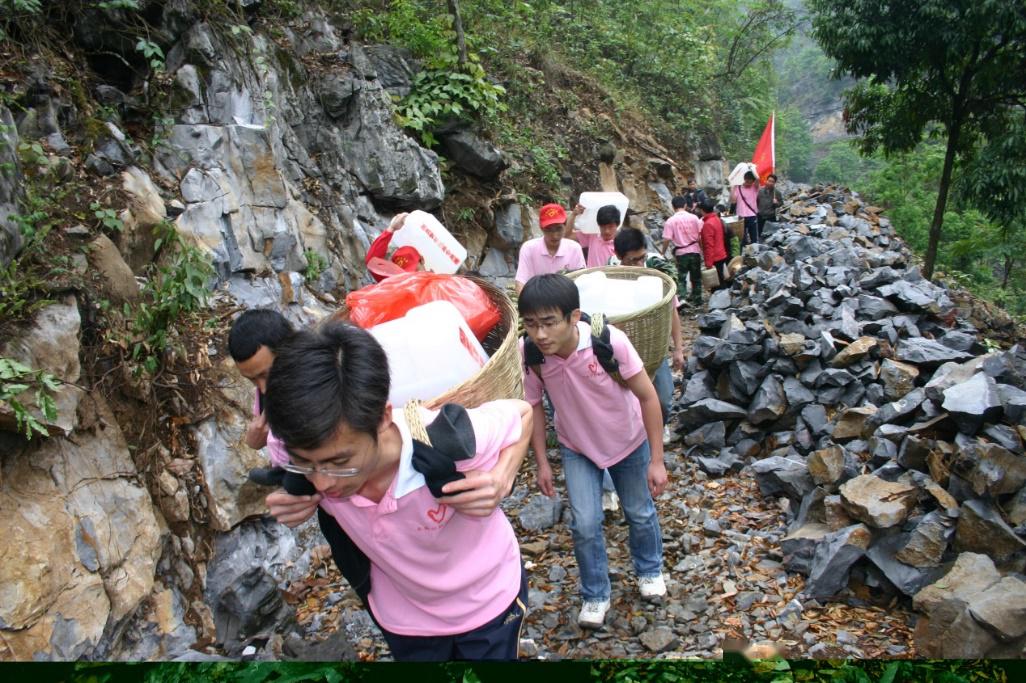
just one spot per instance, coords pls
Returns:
(275, 448)
(535, 259)
(595, 415)
(747, 200)
(434, 571)
(684, 229)
(599, 250)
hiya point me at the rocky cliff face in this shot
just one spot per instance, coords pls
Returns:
(268, 147)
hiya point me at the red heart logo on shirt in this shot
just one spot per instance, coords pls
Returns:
(438, 514)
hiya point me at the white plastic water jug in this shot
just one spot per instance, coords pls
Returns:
(592, 202)
(648, 291)
(430, 350)
(440, 250)
(614, 297)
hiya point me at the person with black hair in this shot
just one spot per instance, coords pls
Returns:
(631, 251)
(746, 196)
(694, 196)
(607, 417)
(683, 233)
(598, 248)
(768, 201)
(444, 583)
(713, 248)
(252, 341)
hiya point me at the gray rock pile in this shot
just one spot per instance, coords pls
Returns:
(853, 388)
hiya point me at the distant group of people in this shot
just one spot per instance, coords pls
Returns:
(408, 499)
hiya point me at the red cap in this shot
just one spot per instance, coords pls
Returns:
(406, 258)
(380, 268)
(551, 214)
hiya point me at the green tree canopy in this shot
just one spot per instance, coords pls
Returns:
(957, 67)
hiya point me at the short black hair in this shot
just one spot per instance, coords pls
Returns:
(771, 175)
(628, 239)
(323, 378)
(708, 206)
(721, 207)
(749, 175)
(255, 328)
(608, 215)
(547, 292)
(679, 202)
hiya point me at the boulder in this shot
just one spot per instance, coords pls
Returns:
(878, 503)
(851, 423)
(928, 540)
(926, 352)
(981, 529)
(474, 155)
(769, 403)
(51, 344)
(833, 559)
(990, 469)
(85, 537)
(225, 460)
(827, 465)
(947, 628)
(779, 476)
(1001, 607)
(799, 546)
(856, 351)
(973, 402)
(118, 280)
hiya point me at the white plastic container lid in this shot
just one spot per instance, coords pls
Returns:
(592, 202)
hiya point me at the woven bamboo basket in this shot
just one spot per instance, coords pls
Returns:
(502, 376)
(649, 328)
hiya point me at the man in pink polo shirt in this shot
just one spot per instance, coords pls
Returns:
(599, 247)
(601, 424)
(445, 584)
(549, 253)
(683, 232)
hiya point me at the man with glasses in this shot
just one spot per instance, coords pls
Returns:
(631, 251)
(550, 253)
(445, 583)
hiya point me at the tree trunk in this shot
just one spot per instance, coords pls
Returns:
(942, 197)
(457, 24)
(1009, 262)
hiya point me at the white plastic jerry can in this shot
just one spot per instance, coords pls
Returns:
(592, 202)
(430, 350)
(439, 249)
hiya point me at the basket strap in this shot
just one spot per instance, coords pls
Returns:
(414, 421)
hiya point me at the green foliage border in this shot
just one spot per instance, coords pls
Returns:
(731, 668)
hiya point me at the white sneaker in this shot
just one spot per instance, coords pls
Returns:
(668, 436)
(593, 613)
(652, 588)
(610, 501)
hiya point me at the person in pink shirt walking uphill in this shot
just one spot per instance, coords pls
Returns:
(598, 247)
(550, 253)
(607, 417)
(446, 580)
(683, 232)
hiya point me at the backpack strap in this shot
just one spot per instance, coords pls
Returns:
(600, 346)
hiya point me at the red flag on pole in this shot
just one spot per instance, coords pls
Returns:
(765, 156)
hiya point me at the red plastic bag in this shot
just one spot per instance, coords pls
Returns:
(393, 297)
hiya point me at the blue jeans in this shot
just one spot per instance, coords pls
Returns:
(663, 381)
(584, 489)
(752, 229)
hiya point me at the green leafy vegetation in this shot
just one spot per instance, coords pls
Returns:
(954, 68)
(17, 378)
(176, 288)
(316, 264)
